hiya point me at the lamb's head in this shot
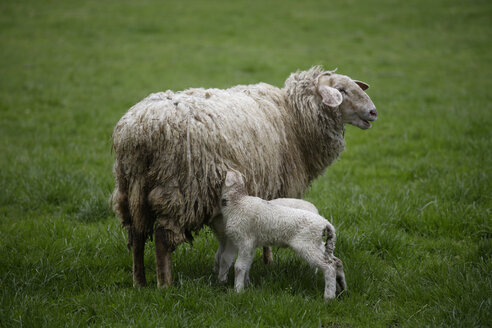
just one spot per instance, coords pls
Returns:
(233, 187)
(349, 97)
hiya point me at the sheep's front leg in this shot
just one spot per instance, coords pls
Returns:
(267, 255)
(242, 266)
(138, 248)
(163, 251)
(226, 260)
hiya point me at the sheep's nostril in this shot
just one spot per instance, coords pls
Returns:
(373, 112)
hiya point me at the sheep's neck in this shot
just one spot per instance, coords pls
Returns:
(330, 145)
(322, 145)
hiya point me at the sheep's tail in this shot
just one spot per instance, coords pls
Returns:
(128, 202)
(329, 234)
(119, 201)
(141, 226)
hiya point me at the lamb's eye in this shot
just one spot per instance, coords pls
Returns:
(342, 91)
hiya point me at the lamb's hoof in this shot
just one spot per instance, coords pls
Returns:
(328, 299)
(340, 289)
(329, 296)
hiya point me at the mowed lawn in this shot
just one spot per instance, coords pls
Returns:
(411, 198)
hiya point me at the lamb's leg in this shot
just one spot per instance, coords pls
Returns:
(163, 251)
(340, 276)
(242, 266)
(330, 282)
(226, 260)
(267, 255)
(218, 256)
(316, 257)
(246, 277)
(138, 247)
(217, 225)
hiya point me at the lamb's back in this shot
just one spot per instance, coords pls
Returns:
(272, 224)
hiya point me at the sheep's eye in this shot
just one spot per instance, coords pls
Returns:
(342, 90)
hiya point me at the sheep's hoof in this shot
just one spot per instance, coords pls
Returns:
(267, 255)
(164, 285)
(139, 283)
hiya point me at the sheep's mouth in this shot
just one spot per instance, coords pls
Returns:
(366, 123)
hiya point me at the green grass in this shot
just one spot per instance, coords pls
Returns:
(411, 198)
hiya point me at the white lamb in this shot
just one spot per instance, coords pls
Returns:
(218, 226)
(251, 222)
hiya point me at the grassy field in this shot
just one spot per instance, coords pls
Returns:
(411, 198)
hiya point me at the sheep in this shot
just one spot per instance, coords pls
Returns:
(251, 222)
(172, 150)
(218, 227)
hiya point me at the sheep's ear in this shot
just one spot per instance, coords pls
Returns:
(230, 178)
(362, 85)
(331, 96)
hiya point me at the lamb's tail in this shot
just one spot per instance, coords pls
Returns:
(329, 234)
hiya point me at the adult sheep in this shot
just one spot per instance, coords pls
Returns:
(172, 152)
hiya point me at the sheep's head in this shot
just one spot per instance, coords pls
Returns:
(233, 187)
(349, 96)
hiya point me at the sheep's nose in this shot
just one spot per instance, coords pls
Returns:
(373, 112)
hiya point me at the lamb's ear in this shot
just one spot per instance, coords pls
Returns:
(363, 85)
(331, 96)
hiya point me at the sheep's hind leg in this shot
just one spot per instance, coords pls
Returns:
(138, 247)
(163, 251)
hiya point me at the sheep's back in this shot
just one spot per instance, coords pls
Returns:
(185, 142)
